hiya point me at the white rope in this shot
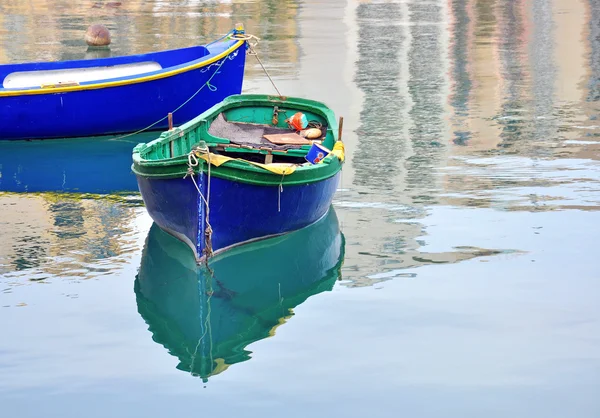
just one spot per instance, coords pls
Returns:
(193, 162)
(252, 51)
(207, 330)
(219, 65)
(279, 191)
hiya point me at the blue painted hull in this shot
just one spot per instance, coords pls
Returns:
(127, 107)
(239, 212)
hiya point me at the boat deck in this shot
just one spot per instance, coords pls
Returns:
(253, 135)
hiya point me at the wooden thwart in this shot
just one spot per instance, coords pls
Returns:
(287, 139)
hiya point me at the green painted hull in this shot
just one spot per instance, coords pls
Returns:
(207, 321)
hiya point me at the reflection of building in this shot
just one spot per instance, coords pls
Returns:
(427, 85)
(3, 52)
(382, 138)
(402, 72)
(593, 23)
(48, 30)
(516, 73)
(522, 61)
(23, 244)
(476, 52)
(460, 73)
(70, 230)
(570, 45)
(512, 38)
(534, 58)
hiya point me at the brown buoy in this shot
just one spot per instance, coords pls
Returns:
(97, 35)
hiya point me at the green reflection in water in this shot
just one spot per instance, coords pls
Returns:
(207, 321)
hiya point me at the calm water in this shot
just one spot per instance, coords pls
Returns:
(464, 283)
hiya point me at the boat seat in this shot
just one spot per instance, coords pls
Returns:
(24, 79)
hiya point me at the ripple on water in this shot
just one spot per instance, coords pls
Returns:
(522, 183)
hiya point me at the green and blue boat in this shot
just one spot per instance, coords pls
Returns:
(238, 173)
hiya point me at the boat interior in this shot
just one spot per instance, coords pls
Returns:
(259, 134)
(266, 130)
(28, 75)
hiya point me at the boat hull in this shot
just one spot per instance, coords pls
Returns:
(121, 108)
(239, 212)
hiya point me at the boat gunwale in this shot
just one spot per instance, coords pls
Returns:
(176, 167)
(211, 58)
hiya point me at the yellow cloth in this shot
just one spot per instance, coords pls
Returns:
(277, 168)
(338, 150)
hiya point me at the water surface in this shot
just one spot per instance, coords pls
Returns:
(464, 282)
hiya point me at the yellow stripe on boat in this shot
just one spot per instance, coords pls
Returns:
(282, 169)
(96, 86)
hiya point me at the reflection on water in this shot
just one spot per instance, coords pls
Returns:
(142, 26)
(468, 104)
(58, 236)
(67, 208)
(83, 165)
(379, 68)
(207, 320)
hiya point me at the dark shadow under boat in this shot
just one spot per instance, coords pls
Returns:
(206, 320)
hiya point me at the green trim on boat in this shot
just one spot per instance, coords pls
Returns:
(167, 156)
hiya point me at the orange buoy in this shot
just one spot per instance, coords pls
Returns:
(298, 121)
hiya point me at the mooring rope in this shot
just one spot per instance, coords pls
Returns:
(208, 231)
(279, 191)
(252, 51)
(179, 107)
(207, 327)
(241, 37)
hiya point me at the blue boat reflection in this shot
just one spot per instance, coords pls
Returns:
(96, 165)
(208, 321)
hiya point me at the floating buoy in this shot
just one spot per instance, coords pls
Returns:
(97, 35)
(311, 133)
(298, 121)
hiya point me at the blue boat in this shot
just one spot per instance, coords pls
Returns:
(207, 320)
(239, 173)
(116, 95)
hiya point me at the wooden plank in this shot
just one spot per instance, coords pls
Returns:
(287, 139)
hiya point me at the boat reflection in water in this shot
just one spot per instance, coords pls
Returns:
(96, 165)
(207, 321)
